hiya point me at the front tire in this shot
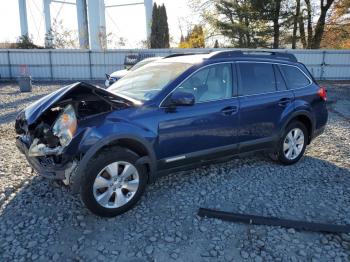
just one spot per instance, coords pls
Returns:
(292, 144)
(113, 183)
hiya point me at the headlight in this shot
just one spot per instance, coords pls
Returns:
(65, 125)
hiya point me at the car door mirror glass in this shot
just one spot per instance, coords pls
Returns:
(180, 98)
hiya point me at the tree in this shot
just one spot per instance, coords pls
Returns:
(265, 23)
(63, 37)
(314, 33)
(159, 29)
(337, 30)
(194, 38)
(295, 24)
(164, 27)
(319, 29)
(216, 45)
(24, 42)
(239, 21)
(271, 12)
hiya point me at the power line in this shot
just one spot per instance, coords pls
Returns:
(32, 16)
(116, 25)
(41, 17)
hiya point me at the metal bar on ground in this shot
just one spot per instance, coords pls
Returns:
(273, 221)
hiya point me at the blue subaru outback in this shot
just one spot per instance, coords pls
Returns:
(172, 114)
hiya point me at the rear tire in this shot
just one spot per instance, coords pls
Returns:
(292, 144)
(113, 183)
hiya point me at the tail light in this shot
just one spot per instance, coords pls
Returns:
(322, 92)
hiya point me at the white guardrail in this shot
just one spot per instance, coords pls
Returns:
(65, 64)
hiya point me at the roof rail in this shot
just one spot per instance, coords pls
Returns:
(184, 54)
(254, 53)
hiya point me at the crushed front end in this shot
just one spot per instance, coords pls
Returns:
(50, 131)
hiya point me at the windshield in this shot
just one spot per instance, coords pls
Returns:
(146, 82)
(141, 63)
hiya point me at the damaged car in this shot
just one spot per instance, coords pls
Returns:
(173, 114)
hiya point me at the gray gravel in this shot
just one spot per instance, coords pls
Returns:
(40, 220)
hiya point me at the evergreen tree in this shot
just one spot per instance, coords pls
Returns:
(216, 45)
(164, 27)
(155, 27)
(159, 28)
(239, 21)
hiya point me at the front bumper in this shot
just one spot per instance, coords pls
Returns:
(46, 169)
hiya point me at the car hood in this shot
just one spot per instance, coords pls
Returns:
(35, 110)
(119, 74)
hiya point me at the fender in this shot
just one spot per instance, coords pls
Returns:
(296, 114)
(150, 159)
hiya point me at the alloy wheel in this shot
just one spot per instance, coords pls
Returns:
(293, 143)
(116, 184)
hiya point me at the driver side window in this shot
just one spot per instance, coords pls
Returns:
(210, 84)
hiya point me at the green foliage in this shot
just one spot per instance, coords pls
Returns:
(241, 23)
(24, 42)
(194, 38)
(159, 28)
(270, 23)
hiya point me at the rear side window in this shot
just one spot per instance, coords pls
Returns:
(281, 85)
(294, 77)
(256, 78)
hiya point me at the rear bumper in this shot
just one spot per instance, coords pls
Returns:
(46, 169)
(318, 132)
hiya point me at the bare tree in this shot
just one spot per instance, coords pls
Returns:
(63, 37)
(295, 24)
(319, 29)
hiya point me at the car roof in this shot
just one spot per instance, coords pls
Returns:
(190, 59)
(232, 55)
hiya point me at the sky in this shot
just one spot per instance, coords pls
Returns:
(127, 22)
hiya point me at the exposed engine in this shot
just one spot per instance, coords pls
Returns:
(54, 129)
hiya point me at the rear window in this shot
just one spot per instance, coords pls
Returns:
(294, 77)
(256, 78)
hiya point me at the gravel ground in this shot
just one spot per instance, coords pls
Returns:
(40, 220)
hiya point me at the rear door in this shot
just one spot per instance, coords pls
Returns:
(264, 102)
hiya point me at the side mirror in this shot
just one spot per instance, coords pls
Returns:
(180, 98)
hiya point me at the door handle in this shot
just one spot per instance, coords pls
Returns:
(284, 101)
(230, 110)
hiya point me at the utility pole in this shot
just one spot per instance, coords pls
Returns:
(22, 5)
(97, 24)
(148, 11)
(47, 16)
(83, 29)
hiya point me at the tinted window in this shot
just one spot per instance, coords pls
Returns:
(211, 83)
(281, 85)
(256, 78)
(294, 77)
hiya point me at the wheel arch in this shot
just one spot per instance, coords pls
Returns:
(138, 145)
(305, 118)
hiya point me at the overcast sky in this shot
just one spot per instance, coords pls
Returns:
(127, 22)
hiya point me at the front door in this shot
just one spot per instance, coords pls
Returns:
(210, 125)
